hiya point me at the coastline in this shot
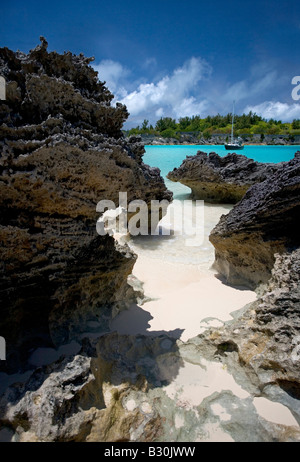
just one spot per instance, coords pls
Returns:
(220, 144)
(143, 341)
(248, 140)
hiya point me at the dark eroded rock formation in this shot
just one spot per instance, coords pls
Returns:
(264, 343)
(263, 223)
(91, 392)
(258, 242)
(220, 179)
(62, 151)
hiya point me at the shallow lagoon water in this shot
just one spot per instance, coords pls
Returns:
(173, 247)
(167, 157)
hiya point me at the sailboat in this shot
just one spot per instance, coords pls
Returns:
(234, 143)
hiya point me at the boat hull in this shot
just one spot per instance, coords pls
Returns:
(233, 147)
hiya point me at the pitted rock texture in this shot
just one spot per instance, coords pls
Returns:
(86, 397)
(218, 179)
(120, 388)
(264, 341)
(62, 151)
(263, 223)
(41, 84)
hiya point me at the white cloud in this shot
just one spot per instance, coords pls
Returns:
(149, 63)
(188, 90)
(160, 112)
(276, 110)
(113, 73)
(190, 106)
(172, 94)
(255, 85)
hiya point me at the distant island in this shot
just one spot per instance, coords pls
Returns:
(252, 128)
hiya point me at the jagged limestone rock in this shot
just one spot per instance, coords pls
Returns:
(86, 397)
(263, 223)
(217, 179)
(116, 389)
(62, 151)
(262, 346)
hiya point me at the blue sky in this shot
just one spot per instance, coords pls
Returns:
(174, 58)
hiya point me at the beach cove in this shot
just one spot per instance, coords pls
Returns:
(142, 342)
(185, 297)
(184, 291)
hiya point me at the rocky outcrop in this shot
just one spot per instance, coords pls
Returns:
(263, 223)
(91, 392)
(41, 84)
(123, 388)
(257, 244)
(273, 341)
(220, 179)
(262, 346)
(62, 151)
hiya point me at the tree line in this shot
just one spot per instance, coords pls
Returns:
(250, 123)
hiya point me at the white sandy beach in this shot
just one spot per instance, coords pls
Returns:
(185, 293)
(184, 300)
(188, 300)
(183, 297)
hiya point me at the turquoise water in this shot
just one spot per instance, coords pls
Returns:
(168, 157)
(173, 247)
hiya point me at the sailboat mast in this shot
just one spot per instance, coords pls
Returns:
(232, 123)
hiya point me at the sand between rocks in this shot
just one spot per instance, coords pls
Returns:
(182, 298)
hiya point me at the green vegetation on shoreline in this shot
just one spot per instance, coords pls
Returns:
(212, 125)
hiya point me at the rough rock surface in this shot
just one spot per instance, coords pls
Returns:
(62, 151)
(86, 397)
(263, 223)
(122, 388)
(264, 342)
(220, 179)
(59, 278)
